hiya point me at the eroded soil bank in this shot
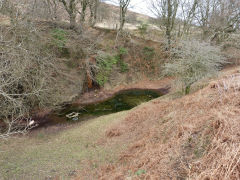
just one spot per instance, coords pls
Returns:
(161, 86)
(103, 101)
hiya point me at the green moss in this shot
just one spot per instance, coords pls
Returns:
(105, 64)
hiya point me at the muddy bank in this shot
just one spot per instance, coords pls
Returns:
(160, 86)
(100, 98)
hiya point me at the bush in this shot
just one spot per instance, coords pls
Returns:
(193, 61)
(105, 64)
(26, 76)
(232, 41)
(122, 52)
(142, 28)
(148, 53)
(77, 52)
(59, 38)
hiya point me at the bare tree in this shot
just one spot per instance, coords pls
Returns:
(204, 10)
(71, 9)
(192, 62)
(52, 7)
(93, 6)
(103, 12)
(84, 4)
(26, 80)
(224, 19)
(166, 11)
(123, 5)
(218, 17)
(188, 14)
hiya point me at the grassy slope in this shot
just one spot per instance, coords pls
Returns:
(194, 137)
(45, 155)
(58, 154)
(168, 138)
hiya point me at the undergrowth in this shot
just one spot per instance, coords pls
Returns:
(106, 63)
(148, 53)
(142, 29)
(59, 38)
(120, 56)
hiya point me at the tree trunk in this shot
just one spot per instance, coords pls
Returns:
(83, 13)
(93, 12)
(71, 10)
(168, 23)
(122, 22)
(91, 18)
(168, 34)
(122, 19)
(123, 10)
(72, 21)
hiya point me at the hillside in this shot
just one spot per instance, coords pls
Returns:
(109, 18)
(89, 91)
(194, 137)
(132, 17)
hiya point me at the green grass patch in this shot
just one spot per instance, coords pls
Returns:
(59, 154)
(59, 37)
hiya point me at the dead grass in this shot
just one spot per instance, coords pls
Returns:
(193, 137)
(4, 20)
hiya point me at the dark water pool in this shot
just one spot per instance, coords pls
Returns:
(121, 101)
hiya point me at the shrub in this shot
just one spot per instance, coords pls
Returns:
(105, 64)
(193, 61)
(77, 52)
(232, 41)
(123, 66)
(142, 28)
(26, 76)
(122, 52)
(148, 53)
(59, 38)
